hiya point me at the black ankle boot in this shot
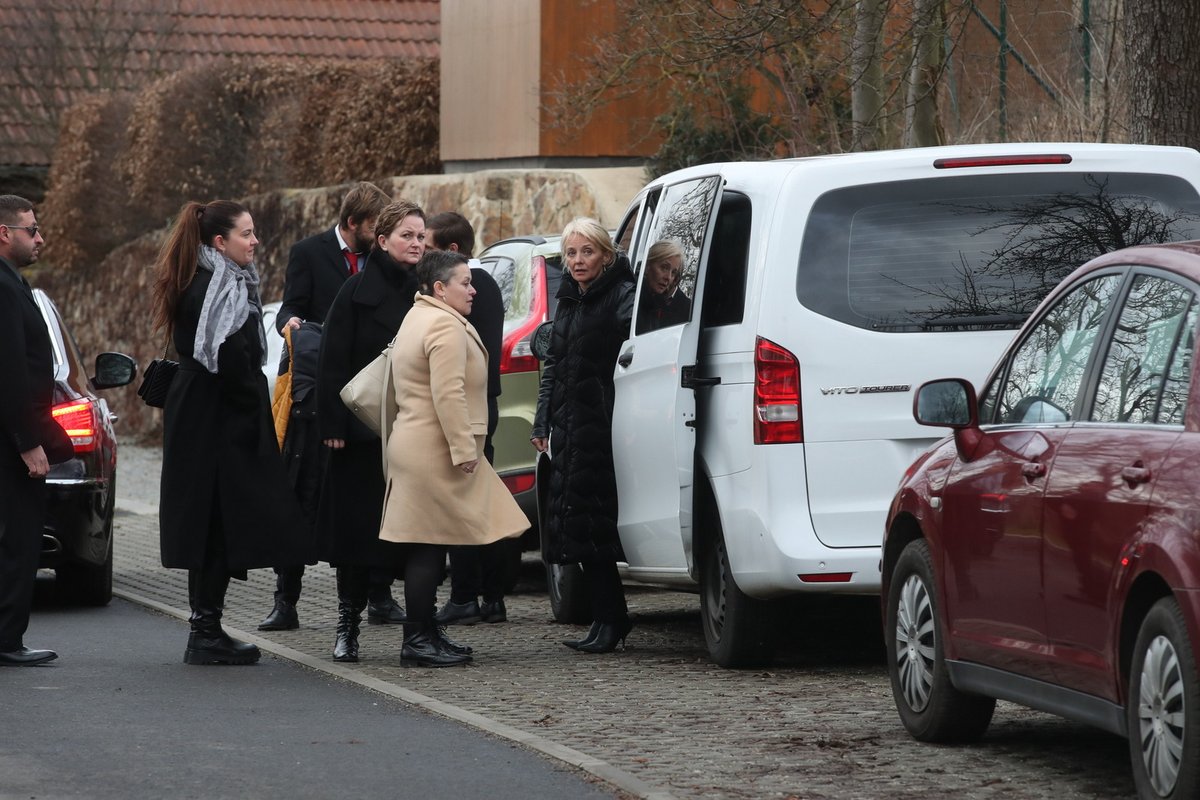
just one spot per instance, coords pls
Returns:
(283, 617)
(450, 644)
(423, 647)
(607, 638)
(207, 642)
(345, 646)
(588, 639)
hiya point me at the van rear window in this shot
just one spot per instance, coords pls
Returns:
(975, 252)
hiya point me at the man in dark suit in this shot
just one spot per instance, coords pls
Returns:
(26, 362)
(317, 268)
(319, 265)
(476, 570)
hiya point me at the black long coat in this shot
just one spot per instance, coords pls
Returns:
(222, 472)
(364, 317)
(575, 408)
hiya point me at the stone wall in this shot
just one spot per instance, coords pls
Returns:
(107, 306)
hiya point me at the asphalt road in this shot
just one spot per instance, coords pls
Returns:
(119, 715)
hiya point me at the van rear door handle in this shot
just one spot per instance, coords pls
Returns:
(625, 359)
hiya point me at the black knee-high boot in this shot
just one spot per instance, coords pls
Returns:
(352, 599)
(207, 642)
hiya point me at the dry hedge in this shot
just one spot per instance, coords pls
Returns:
(126, 163)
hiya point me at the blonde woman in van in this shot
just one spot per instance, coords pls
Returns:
(574, 420)
(664, 304)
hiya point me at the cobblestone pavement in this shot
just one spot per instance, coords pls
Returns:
(659, 720)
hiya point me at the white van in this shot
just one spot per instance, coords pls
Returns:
(759, 443)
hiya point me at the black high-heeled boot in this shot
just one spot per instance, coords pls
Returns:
(207, 641)
(607, 638)
(590, 637)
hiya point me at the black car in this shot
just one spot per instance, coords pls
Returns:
(77, 541)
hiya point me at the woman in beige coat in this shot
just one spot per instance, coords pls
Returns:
(440, 490)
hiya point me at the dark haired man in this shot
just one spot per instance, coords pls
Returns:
(26, 362)
(319, 265)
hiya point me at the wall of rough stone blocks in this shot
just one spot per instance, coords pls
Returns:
(107, 306)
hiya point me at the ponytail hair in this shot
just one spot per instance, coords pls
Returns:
(197, 224)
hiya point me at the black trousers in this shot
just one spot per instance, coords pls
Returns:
(480, 570)
(605, 591)
(289, 581)
(22, 516)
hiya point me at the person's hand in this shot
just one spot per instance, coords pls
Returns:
(539, 443)
(293, 323)
(36, 462)
(334, 444)
(469, 466)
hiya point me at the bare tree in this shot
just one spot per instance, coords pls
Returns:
(1162, 50)
(866, 71)
(922, 128)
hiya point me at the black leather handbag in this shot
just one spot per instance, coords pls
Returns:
(156, 381)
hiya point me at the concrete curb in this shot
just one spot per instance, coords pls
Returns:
(596, 767)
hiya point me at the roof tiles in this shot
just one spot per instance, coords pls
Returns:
(198, 31)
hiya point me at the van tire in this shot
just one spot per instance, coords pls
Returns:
(568, 595)
(738, 629)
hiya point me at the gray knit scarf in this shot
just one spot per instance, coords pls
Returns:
(231, 298)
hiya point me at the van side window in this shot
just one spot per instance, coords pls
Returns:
(1133, 380)
(728, 260)
(1046, 372)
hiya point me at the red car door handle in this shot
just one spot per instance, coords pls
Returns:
(1135, 475)
(1033, 469)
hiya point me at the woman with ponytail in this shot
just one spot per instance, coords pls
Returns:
(225, 505)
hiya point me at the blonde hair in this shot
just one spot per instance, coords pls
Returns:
(664, 249)
(595, 233)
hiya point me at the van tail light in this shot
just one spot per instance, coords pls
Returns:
(515, 353)
(518, 482)
(78, 419)
(776, 395)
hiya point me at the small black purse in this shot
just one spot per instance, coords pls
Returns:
(156, 381)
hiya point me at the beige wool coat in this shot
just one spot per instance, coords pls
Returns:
(439, 370)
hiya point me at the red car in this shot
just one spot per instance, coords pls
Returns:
(1048, 553)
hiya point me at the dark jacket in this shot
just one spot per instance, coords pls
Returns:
(302, 451)
(27, 364)
(316, 270)
(662, 311)
(362, 320)
(575, 407)
(222, 472)
(487, 317)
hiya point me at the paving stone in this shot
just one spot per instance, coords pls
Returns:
(820, 723)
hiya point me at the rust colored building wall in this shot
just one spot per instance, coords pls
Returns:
(623, 128)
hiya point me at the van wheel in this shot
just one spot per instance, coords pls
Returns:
(931, 709)
(568, 595)
(738, 629)
(1163, 707)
